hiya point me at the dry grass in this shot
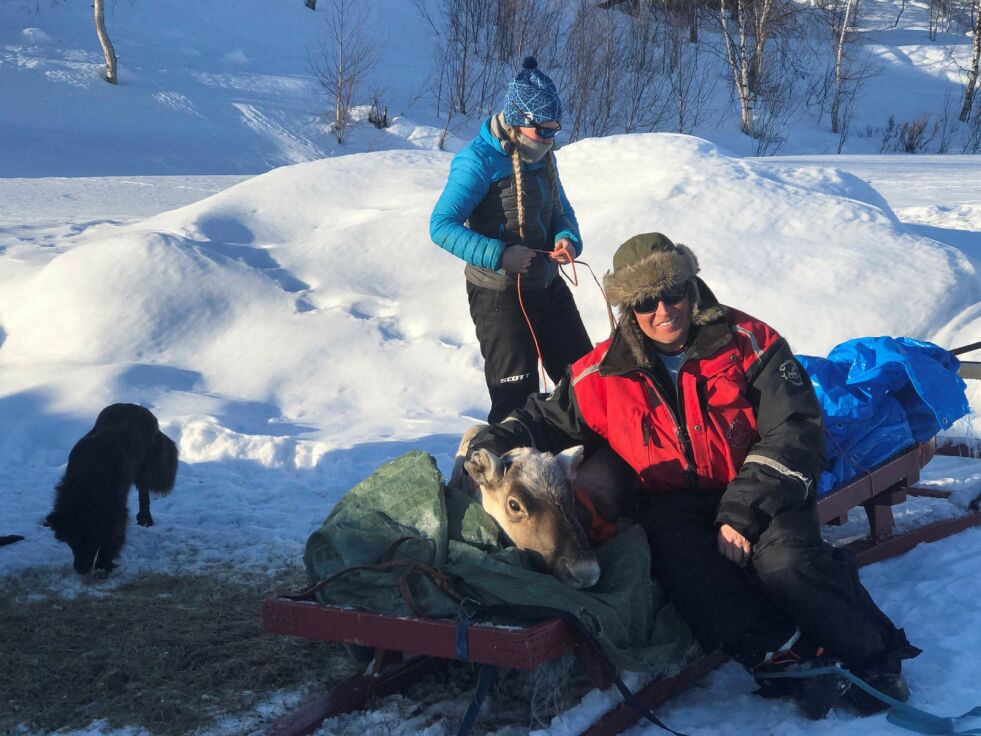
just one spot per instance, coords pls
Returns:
(170, 653)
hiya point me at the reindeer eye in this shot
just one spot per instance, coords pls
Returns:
(514, 506)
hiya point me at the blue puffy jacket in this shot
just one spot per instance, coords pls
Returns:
(475, 217)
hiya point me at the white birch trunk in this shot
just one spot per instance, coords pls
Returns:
(762, 31)
(972, 75)
(738, 65)
(108, 51)
(839, 53)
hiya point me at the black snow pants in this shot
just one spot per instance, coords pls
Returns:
(794, 579)
(510, 359)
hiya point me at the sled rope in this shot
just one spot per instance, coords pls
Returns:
(606, 301)
(574, 280)
(900, 714)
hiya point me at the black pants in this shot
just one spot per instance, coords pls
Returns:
(793, 579)
(510, 359)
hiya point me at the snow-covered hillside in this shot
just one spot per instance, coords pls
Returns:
(224, 87)
(205, 87)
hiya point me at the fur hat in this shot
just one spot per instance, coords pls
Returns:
(645, 266)
(531, 97)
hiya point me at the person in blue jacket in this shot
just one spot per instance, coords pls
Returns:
(504, 212)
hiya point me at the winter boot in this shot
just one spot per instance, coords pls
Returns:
(892, 684)
(815, 695)
(884, 674)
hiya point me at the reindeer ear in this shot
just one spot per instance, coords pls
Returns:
(569, 460)
(485, 468)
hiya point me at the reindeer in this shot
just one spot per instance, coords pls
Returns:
(530, 495)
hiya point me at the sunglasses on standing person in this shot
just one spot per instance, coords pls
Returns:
(540, 130)
(670, 296)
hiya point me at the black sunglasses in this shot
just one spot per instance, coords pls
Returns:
(539, 130)
(669, 296)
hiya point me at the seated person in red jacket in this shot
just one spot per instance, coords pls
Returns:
(721, 425)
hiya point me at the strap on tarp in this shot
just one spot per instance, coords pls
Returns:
(900, 714)
(462, 643)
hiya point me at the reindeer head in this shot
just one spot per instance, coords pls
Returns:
(530, 495)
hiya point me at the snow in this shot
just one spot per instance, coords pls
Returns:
(295, 329)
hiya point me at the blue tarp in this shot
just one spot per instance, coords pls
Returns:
(880, 395)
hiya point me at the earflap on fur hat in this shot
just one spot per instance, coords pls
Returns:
(647, 265)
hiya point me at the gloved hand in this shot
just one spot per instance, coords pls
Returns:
(517, 258)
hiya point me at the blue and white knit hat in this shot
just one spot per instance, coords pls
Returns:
(531, 97)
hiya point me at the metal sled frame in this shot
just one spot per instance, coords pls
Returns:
(407, 648)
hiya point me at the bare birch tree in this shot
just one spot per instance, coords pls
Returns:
(530, 27)
(761, 40)
(107, 50)
(939, 17)
(842, 37)
(460, 57)
(479, 47)
(645, 95)
(972, 74)
(692, 87)
(582, 51)
(736, 23)
(348, 53)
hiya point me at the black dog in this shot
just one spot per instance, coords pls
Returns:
(90, 514)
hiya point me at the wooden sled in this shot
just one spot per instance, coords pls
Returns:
(407, 648)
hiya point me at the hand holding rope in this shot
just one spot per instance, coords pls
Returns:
(562, 255)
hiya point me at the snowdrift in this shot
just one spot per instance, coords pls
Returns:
(306, 309)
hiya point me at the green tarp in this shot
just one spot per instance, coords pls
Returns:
(638, 629)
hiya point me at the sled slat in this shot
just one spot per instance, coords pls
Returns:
(352, 694)
(970, 370)
(891, 477)
(867, 553)
(523, 648)
(654, 694)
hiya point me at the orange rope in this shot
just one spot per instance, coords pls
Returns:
(575, 282)
(609, 309)
(534, 337)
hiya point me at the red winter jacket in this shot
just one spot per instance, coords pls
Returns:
(742, 418)
(696, 439)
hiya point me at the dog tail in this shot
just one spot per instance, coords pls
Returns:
(160, 469)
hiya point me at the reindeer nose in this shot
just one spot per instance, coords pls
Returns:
(582, 574)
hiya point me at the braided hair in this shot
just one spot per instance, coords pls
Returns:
(519, 180)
